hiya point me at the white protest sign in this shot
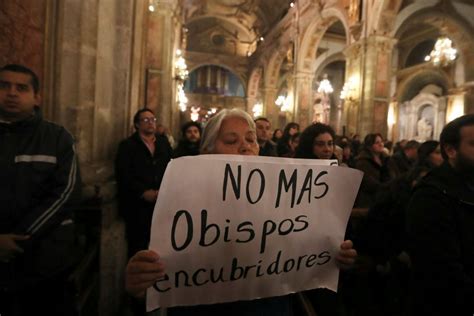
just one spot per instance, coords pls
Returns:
(232, 228)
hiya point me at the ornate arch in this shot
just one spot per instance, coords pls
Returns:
(314, 33)
(452, 20)
(412, 85)
(273, 69)
(254, 82)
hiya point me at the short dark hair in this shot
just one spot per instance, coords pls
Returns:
(187, 125)
(136, 117)
(412, 144)
(34, 81)
(424, 152)
(305, 148)
(451, 133)
(261, 119)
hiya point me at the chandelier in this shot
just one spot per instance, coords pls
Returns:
(182, 99)
(325, 86)
(257, 109)
(443, 52)
(180, 66)
(152, 4)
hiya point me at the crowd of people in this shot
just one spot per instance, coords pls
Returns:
(409, 244)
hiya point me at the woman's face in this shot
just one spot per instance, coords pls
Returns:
(323, 146)
(377, 147)
(293, 131)
(435, 157)
(236, 138)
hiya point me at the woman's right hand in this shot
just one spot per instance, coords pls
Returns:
(143, 270)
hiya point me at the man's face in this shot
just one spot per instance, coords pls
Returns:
(263, 130)
(192, 134)
(464, 160)
(146, 123)
(17, 97)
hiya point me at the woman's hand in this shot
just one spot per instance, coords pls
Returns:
(347, 255)
(142, 271)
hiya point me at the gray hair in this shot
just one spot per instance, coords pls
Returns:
(211, 131)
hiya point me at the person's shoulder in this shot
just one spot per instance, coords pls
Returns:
(55, 129)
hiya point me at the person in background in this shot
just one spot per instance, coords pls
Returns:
(190, 140)
(230, 132)
(139, 168)
(267, 147)
(277, 134)
(429, 154)
(402, 161)
(283, 145)
(373, 163)
(39, 186)
(440, 228)
(317, 142)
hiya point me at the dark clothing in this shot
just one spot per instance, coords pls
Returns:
(273, 306)
(268, 150)
(283, 148)
(39, 182)
(137, 171)
(374, 176)
(186, 148)
(398, 165)
(441, 238)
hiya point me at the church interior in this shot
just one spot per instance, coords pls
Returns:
(402, 68)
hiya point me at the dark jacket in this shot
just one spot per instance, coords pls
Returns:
(186, 148)
(39, 182)
(374, 176)
(136, 171)
(398, 165)
(268, 150)
(441, 244)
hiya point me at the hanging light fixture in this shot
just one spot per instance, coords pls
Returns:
(443, 52)
(257, 109)
(182, 99)
(152, 4)
(325, 86)
(180, 66)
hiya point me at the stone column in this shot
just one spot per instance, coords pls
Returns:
(163, 39)
(352, 102)
(93, 67)
(369, 61)
(269, 107)
(303, 101)
(376, 85)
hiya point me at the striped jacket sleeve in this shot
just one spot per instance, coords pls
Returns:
(59, 193)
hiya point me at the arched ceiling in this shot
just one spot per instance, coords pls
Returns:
(231, 27)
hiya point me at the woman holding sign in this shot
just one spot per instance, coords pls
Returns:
(229, 132)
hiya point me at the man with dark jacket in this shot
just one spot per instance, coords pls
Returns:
(140, 165)
(38, 180)
(190, 140)
(267, 147)
(441, 228)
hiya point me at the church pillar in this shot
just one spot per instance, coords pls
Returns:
(369, 68)
(163, 39)
(269, 108)
(303, 100)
